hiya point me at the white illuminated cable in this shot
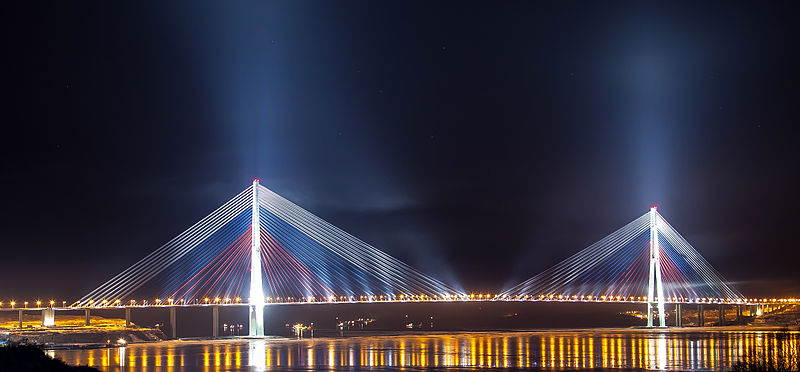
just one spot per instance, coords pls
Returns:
(398, 276)
(353, 255)
(209, 250)
(713, 279)
(290, 238)
(603, 277)
(287, 272)
(172, 248)
(699, 263)
(582, 261)
(557, 279)
(709, 288)
(596, 259)
(377, 264)
(310, 231)
(349, 247)
(217, 266)
(167, 252)
(567, 270)
(692, 259)
(147, 270)
(695, 268)
(552, 278)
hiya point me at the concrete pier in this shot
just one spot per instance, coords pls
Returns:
(127, 317)
(700, 318)
(48, 317)
(678, 321)
(173, 324)
(215, 321)
(20, 318)
(87, 317)
(721, 314)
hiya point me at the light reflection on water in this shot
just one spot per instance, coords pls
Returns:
(550, 350)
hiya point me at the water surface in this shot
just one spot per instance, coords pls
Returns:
(556, 350)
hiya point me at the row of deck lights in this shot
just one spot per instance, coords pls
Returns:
(168, 302)
(14, 304)
(561, 297)
(237, 300)
(401, 298)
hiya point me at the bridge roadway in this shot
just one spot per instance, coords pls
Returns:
(756, 307)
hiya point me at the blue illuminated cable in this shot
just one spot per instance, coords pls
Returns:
(142, 271)
(325, 232)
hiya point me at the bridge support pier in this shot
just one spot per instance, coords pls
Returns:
(700, 318)
(48, 317)
(215, 321)
(738, 313)
(173, 324)
(20, 318)
(127, 317)
(678, 322)
(721, 314)
(87, 316)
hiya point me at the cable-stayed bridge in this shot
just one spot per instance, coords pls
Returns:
(260, 249)
(276, 250)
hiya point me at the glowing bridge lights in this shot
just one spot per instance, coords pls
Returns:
(296, 255)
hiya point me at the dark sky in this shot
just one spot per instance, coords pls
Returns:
(481, 143)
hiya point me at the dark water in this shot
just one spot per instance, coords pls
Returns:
(661, 350)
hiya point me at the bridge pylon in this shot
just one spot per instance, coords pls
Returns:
(655, 285)
(256, 288)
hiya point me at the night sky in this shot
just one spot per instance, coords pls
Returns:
(481, 143)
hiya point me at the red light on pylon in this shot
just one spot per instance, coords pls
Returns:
(255, 179)
(653, 206)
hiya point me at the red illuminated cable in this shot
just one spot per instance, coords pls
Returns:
(202, 270)
(206, 270)
(226, 268)
(276, 262)
(303, 270)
